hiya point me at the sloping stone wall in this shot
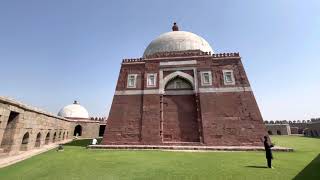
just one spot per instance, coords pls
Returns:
(23, 127)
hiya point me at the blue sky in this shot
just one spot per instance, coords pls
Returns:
(53, 52)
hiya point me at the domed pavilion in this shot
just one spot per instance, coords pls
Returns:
(180, 92)
(82, 125)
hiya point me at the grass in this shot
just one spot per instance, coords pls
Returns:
(76, 163)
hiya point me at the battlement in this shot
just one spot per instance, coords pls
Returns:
(181, 54)
(98, 118)
(292, 122)
(133, 60)
(226, 55)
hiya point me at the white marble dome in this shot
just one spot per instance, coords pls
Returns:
(74, 110)
(177, 41)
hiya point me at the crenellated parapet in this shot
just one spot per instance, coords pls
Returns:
(189, 53)
(292, 121)
(133, 60)
(287, 122)
(98, 118)
(222, 55)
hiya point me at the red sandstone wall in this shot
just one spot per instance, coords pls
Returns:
(231, 119)
(124, 121)
(180, 119)
(151, 119)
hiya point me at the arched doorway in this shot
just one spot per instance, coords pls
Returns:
(47, 138)
(278, 132)
(179, 111)
(24, 142)
(54, 137)
(270, 132)
(9, 131)
(59, 135)
(101, 130)
(63, 135)
(38, 140)
(78, 130)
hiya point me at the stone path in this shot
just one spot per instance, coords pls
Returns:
(193, 148)
(6, 160)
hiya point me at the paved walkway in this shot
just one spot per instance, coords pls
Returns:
(194, 148)
(12, 159)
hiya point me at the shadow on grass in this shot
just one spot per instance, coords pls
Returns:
(257, 166)
(311, 171)
(313, 137)
(82, 142)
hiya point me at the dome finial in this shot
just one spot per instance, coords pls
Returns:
(75, 102)
(175, 27)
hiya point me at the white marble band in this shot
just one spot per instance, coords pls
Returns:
(183, 92)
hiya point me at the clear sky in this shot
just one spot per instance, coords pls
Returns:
(54, 52)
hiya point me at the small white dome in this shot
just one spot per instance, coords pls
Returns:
(177, 41)
(74, 110)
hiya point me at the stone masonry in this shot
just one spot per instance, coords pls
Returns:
(23, 127)
(216, 113)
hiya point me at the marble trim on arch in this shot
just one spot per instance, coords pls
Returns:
(174, 63)
(180, 69)
(201, 90)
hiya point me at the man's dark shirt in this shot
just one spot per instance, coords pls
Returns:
(268, 147)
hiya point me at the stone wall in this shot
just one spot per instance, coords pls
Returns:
(278, 129)
(313, 129)
(23, 127)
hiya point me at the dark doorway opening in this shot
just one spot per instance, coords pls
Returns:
(38, 140)
(101, 130)
(7, 139)
(54, 137)
(270, 132)
(278, 132)
(77, 131)
(25, 142)
(47, 139)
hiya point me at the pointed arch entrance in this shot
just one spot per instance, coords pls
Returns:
(179, 120)
(78, 130)
(38, 140)
(24, 142)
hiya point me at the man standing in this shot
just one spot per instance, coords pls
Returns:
(267, 148)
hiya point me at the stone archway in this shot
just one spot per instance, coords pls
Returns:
(9, 131)
(24, 142)
(278, 132)
(54, 137)
(77, 130)
(179, 111)
(270, 132)
(38, 140)
(46, 141)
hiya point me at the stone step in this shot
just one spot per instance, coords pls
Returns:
(4, 155)
(182, 143)
(199, 148)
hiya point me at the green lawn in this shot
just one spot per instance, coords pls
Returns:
(76, 162)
